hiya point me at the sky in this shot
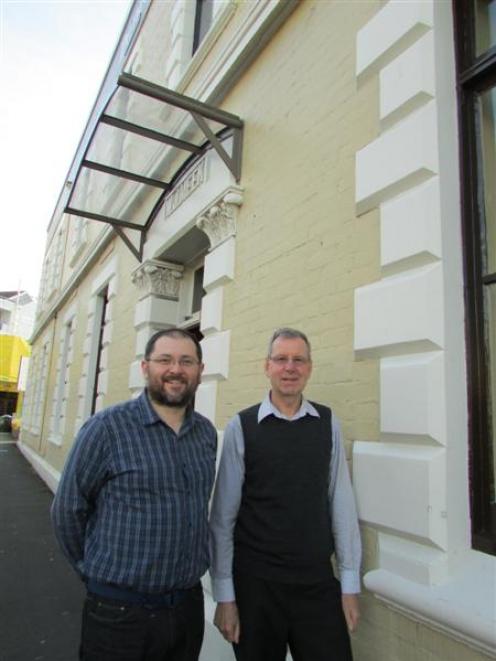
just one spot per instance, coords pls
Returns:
(53, 57)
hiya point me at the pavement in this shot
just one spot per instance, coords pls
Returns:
(40, 596)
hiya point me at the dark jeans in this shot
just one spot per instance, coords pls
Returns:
(308, 619)
(114, 631)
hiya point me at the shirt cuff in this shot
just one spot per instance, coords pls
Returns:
(350, 581)
(223, 589)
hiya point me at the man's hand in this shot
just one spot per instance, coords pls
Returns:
(351, 610)
(226, 620)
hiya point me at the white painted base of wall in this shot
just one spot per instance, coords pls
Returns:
(48, 474)
(462, 607)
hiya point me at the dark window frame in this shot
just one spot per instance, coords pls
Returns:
(203, 11)
(102, 321)
(475, 74)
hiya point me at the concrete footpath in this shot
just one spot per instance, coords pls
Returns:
(40, 596)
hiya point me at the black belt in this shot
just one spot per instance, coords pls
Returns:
(145, 599)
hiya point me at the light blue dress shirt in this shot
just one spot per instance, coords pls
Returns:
(227, 499)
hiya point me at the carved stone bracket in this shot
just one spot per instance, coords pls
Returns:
(158, 278)
(219, 221)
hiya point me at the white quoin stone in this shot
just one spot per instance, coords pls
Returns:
(400, 313)
(413, 397)
(391, 30)
(402, 488)
(408, 81)
(411, 225)
(400, 158)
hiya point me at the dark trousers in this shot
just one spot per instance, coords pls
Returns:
(306, 618)
(115, 631)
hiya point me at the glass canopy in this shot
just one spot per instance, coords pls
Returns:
(144, 138)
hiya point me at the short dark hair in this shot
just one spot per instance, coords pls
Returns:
(178, 333)
(291, 334)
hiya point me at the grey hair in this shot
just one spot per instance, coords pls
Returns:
(290, 334)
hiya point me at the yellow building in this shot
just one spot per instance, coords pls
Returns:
(14, 353)
(326, 165)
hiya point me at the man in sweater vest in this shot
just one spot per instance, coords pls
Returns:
(283, 504)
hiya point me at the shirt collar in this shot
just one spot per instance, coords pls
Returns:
(267, 408)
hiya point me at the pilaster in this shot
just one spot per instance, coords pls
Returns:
(158, 285)
(218, 222)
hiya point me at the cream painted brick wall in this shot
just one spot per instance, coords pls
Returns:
(120, 352)
(300, 249)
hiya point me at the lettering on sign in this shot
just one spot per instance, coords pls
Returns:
(185, 187)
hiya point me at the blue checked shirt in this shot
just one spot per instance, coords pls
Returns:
(132, 505)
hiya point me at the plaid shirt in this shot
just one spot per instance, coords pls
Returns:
(132, 505)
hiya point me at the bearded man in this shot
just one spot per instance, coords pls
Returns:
(131, 512)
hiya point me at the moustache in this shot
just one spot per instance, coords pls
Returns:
(174, 379)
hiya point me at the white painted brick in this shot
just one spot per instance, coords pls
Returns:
(402, 157)
(411, 224)
(107, 333)
(401, 488)
(413, 396)
(409, 79)
(206, 399)
(154, 310)
(103, 382)
(414, 562)
(216, 355)
(405, 309)
(219, 265)
(393, 28)
(136, 379)
(211, 311)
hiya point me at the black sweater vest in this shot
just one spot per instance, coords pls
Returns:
(283, 530)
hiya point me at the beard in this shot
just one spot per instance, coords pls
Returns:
(181, 399)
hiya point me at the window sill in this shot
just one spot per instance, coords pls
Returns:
(463, 607)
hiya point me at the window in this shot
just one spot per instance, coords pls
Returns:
(203, 20)
(191, 293)
(52, 269)
(198, 291)
(475, 29)
(35, 395)
(61, 394)
(101, 313)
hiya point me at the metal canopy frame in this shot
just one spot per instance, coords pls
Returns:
(201, 113)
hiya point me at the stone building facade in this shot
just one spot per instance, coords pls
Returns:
(347, 219)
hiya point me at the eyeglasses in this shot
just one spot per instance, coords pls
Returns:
(282, 361)
(167, 361)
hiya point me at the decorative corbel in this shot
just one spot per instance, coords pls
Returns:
(219, 221)
(158, 278)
